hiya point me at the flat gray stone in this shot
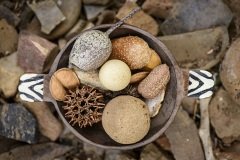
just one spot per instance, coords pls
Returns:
(16, 122)
(191, 15)
(48, 14)
(199, 49)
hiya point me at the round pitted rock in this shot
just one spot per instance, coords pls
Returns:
(126, 119)
(132, 50)
(90, 50)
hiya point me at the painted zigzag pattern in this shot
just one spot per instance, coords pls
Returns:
(200, 84)
(31, 87)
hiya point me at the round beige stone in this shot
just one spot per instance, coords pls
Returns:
(115, 75)
(126, 119)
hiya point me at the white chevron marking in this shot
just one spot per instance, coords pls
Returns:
(193, 85)
(207, 83)
(38, 88)
(28, 76)
(24, 87)
(205, 95)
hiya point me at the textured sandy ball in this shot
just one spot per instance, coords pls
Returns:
(126, 119)
(90, 50)
(115, 75)
(132, 50)
(155, 82)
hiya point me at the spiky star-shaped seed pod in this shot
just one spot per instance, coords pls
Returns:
(84, 106)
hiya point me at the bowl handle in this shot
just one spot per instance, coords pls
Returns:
(31, 87)
(200, 83)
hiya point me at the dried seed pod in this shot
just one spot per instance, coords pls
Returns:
(61, 80)
(84, 106)
(137, 77)
(157, 80)
(132, 50)
(154, 61)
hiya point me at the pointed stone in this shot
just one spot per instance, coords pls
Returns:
(35, 54)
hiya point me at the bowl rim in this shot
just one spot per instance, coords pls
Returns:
(179, 96)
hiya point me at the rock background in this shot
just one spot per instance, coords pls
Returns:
(199, 33)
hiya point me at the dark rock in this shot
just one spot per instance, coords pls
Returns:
(151, 152)
(45, 151)
(7, 144)
(48, 124)
(9, 16)
(32, 48)
(17, 123)
(199, 49)
(10, 73)
(191, 15)
(48, 14)
(26, 17)
(8, 44)
(229, 71)
(227, 155)
(225, 117)
(184, 138)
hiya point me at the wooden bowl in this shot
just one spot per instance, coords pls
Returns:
(176, 89)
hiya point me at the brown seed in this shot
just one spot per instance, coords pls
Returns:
(155, 60)
(57, 90)
(137, 77)
(67, 78)
(157, 80)
(61, 80)
(132, 50)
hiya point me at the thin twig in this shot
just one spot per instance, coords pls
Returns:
(204, 131)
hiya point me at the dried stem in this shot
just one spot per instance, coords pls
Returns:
(119, 23)
(204, 131)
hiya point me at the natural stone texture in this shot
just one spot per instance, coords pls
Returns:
(164, 143)
(95, 153)
(184, 139)
(48, 124)
(225, 117)
(227, 155)
(96, 2)
(197, 49)
(151, 152)
(45, 151)
(106, 17)
(158, 8)
(17, 123)
(93, 11)
(32, 48)
(76, 29)
(48, 14)
(119, 155)
(9, 38)
(89, 78)
(9, 16)
(9, 75)
(191, 15)
(140, 19)
(229, 71)
(71, 9)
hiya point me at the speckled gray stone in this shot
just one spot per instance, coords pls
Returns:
(90, 50)
(16, 122)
